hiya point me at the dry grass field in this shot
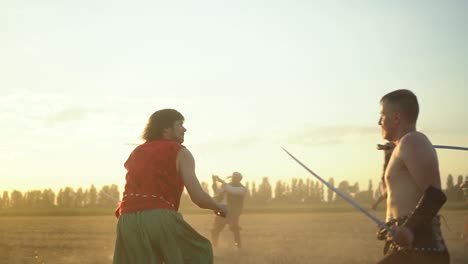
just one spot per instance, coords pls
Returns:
(268, 238)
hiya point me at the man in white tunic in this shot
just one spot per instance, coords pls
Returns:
(233, 193)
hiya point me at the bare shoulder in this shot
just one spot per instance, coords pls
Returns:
(415, 142)
(416, 147)
(184, 158)
(184, 153)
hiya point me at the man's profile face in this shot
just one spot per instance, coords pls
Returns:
(387, 121)
(177, 131)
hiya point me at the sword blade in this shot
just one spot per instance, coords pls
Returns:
(342, 195)
(450, 147)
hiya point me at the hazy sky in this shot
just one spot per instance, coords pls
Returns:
(79, 80)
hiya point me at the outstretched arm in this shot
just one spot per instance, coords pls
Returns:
(186, 167)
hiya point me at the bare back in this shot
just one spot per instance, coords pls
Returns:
(412, 168)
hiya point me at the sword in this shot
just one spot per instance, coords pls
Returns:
(450, 147)
(385, 147)
(342, 195)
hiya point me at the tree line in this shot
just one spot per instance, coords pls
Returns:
(296, 191)
(68, 197)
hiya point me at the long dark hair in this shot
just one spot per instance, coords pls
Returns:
(159, 121)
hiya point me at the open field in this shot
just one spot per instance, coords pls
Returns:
(268, 238)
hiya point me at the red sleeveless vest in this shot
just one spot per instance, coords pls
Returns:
(152, 180)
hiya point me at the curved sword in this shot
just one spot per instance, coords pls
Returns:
(385, 147)
(344, 196)
(450, 147)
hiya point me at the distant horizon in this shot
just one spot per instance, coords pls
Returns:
(375, 184)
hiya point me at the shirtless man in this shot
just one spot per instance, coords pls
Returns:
(413, 183)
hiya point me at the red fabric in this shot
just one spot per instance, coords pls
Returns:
(151, 172)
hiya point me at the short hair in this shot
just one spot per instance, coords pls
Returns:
(159, 121)
(237, 175)
(405, 102)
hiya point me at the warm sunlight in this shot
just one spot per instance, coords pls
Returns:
(80, 79)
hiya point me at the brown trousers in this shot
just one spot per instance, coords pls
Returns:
(219, 224)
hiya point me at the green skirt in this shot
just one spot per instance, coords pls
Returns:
(159, 236)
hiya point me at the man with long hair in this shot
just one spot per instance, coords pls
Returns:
(150, 229)
(412, 178)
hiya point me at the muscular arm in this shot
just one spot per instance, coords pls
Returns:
(420, 159)
(186, 166)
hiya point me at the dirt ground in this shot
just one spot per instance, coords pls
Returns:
(268, 238)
